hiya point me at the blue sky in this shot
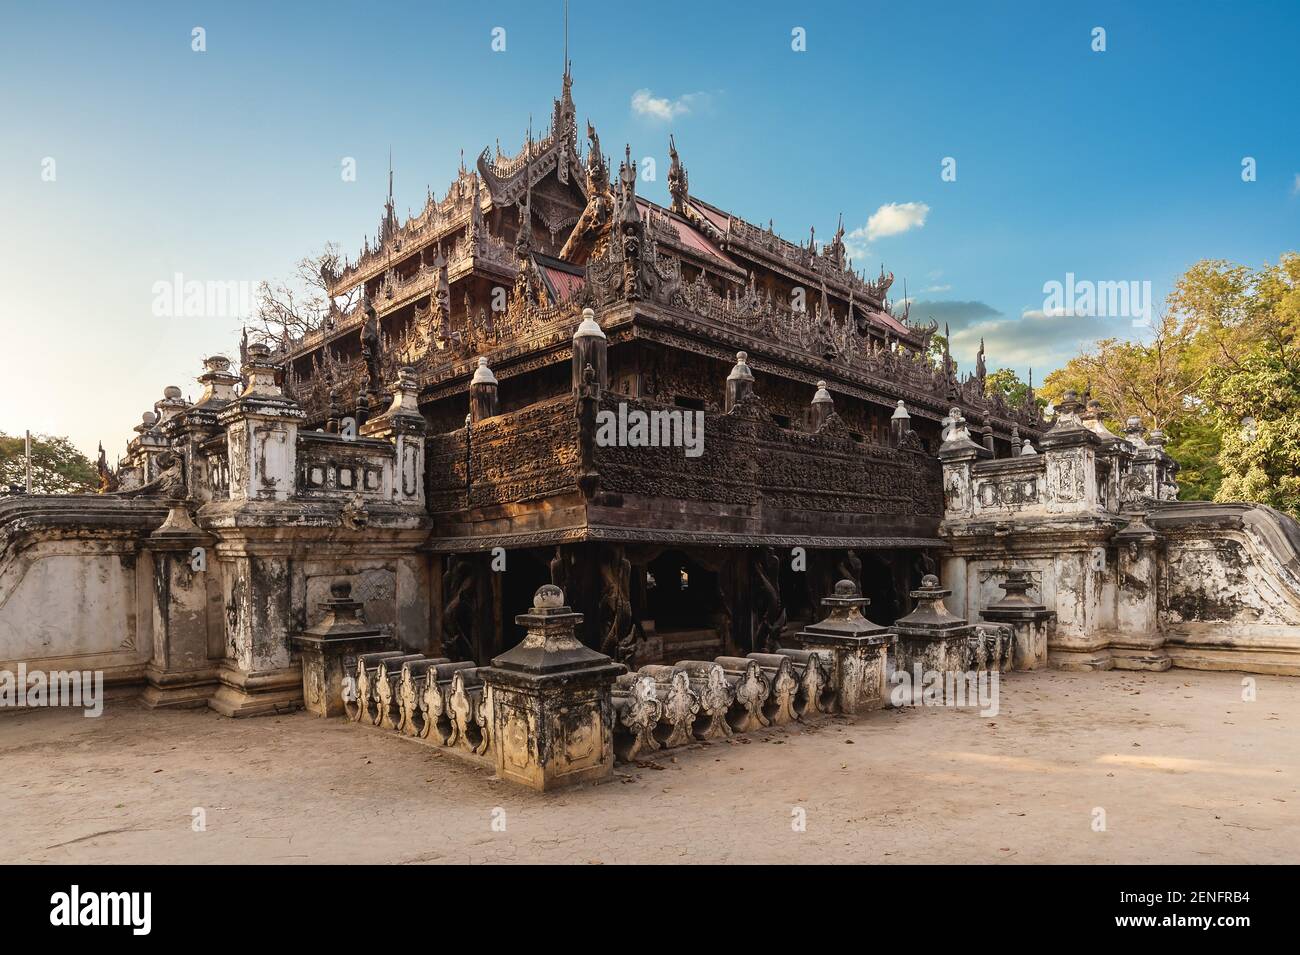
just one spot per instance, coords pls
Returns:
(224, 165)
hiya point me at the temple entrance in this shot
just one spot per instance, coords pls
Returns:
(526, 570)
(683, 608)
(880, 587)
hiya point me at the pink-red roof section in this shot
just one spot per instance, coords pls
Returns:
(687, 235)
(566, 284)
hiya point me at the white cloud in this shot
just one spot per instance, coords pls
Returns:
(855, 244)
(645, 103)
(937, 288)
(1295, 186)
(1036, 339)
(896, 217)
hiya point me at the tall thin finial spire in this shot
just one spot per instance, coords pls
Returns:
(566, 37)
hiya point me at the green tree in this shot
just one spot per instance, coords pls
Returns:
(1220, 375)
(1005, 382)
(1254, 389)
(57, 466)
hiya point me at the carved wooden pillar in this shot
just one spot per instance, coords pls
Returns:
(590, 348)
(482, 392)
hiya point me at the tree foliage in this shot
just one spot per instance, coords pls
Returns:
(57, 466)
(1005, 382)
(284, 311)
(1220, 374)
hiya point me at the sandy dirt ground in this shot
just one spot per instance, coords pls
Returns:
(1185, 771)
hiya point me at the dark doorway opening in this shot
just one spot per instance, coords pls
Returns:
(684, 605)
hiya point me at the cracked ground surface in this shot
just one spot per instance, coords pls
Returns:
(1185, 771)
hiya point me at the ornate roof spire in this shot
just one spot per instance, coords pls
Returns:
(524, 240)
(836, 251)
(678, 181)
(388, 225)
(564, 118)
(628, 211)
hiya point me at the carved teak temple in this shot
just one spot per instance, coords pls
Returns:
(820, 435)
(712, 467)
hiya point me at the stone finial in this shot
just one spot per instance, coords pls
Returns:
(483, 374)
(957, 444)
(148, 423)
(482, 392)
(741, 370)
(551, 643)
(1156, 439)
(823, 406)
(326, 648)
(930, 612)
(1133, 432)
(1015, 593)
(589, 327)
(900, 423)
(845, 606)
(1069, 429)
(548, 597)
(740, 382)
(406, 394)
(261, 372)
(170, 405)
(590, 347)
(1016, 443)
(1028, 447)
(218, 382)
(344, 616)
(1094, 419)
(1069, 405)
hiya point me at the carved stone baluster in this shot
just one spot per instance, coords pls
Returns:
(680, 705)
(752, 690)
(637, 710)
(715, 695)
(362, 707)
(784, 684)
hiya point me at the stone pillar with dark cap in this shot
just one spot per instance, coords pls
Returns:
(329, 650)
(931, 637)
(1030, 622)
(858, 649)
(550, 701)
